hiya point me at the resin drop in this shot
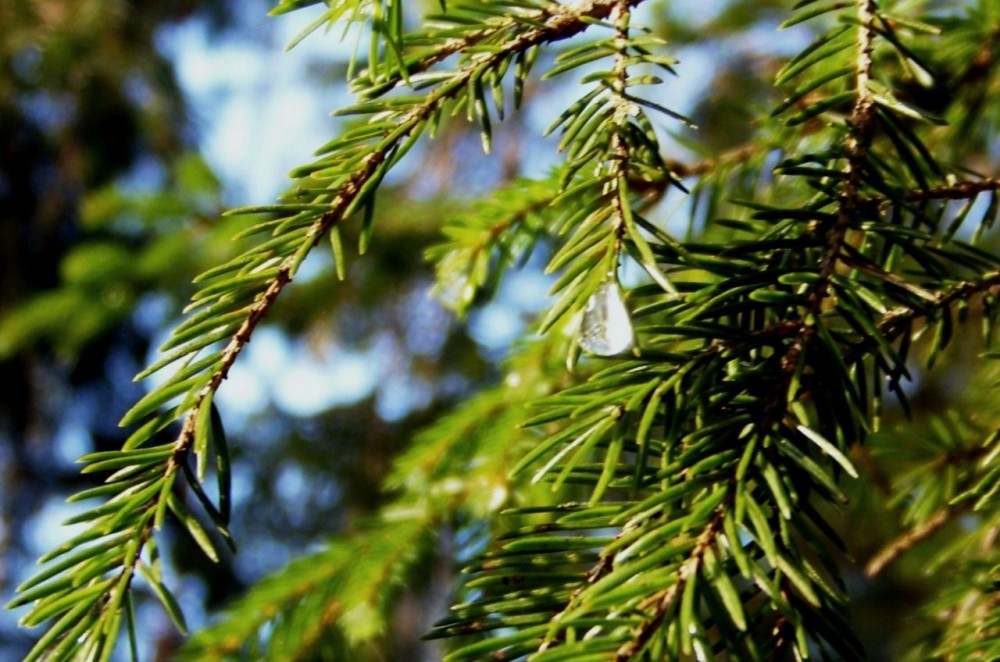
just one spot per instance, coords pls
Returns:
(606, 329)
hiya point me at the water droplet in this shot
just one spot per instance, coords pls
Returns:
(607, 327)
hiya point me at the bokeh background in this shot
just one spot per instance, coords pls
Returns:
(126, 126)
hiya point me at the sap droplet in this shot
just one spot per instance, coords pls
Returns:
(606, 329)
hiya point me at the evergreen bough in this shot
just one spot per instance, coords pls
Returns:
(654, 477)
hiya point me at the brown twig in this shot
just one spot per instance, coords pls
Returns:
(965, 190)
(618, 157)
(908, 540)
(680, 169)
(619, 146)
(667, 598)
(894, 320)
(859, 137)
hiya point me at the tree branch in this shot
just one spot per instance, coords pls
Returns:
(739, 154)
(666, 600)
(859, 137)
(561, 24)
(908, 540)
(893, 322)
(965, 190)
(857, 143)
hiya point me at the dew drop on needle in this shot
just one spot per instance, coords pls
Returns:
(606, 329)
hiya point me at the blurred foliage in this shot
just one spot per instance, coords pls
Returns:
(134, 243)
(107, 211)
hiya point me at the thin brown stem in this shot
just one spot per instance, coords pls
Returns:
(619, 155)
(667, 598)
(908, 540)
(965, 190)
(456, 45)
(859, 137)
(895, 321)
(740, 154)
(618, 158)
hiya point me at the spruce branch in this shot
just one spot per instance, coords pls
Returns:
(453, 469)
(619, 149)
(895, 322)
(611, 148)
(492, 235)
(756, 384)
(858, 139)
(372, 83)
(332, 594)
(699, 450)
(949, 472)
(234, 298)
(794, 296)
(667, 599)
(856, 144)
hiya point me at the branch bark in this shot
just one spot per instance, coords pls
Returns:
(965, 190)
(908, 540)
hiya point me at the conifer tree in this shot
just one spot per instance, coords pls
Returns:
(661, 471)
